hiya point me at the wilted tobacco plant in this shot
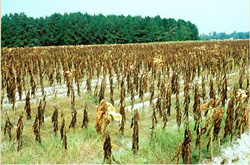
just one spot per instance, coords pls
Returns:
(40, 113)
(247, 83)
(62, 125)
(178, 110)
(8, 126)
(212, 92)
(43, 107)
(164, 112)
(197, 117)
(158, 104)
(77, 79)
(152, 89)
(154, 123)
(72, 98)
(196, 105)
(96, 89)
(224, 90)
(111, 89)
(33, 85)
(68, 77)
(186, 147)
(145, 83)
(217, 118)
(128, 81)
(212, 126)
(118, 77)
(101, 110)
(203, 88)
(58, 73)
(164, 104)
(219, 80)
(51, 75)
(198, 129)
(88, 84)
(19, 81)
(241, 79)
(11, 88)
(64, 139)
(122, 112)
(168, 98)
(3, 83)
(137, 80)
(132, 96)
(54, 120)
(85, 120)
(19, 132)
(73, 120)
(159, 80)
(27, 106)
(163, 88)
(41, 81)
(36, 129)
(241, 112)
(2, 97)
(186, 99)
(174, 82)
(135, 137)
(107, 149)
(102, 89)
(245, 119)
(141, 92)
(123, 92)
(229, 119)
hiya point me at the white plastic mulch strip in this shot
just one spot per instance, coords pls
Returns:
(61, 91)
(237, 152)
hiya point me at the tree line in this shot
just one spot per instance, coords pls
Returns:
(19, 30)
(223, 35)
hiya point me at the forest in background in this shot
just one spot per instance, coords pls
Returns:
(223, 36)
(19, 30)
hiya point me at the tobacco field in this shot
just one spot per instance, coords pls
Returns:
(164, 103)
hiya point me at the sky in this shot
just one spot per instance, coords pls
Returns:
(208, 15)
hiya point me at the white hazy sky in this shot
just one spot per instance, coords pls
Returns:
(209, 15)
